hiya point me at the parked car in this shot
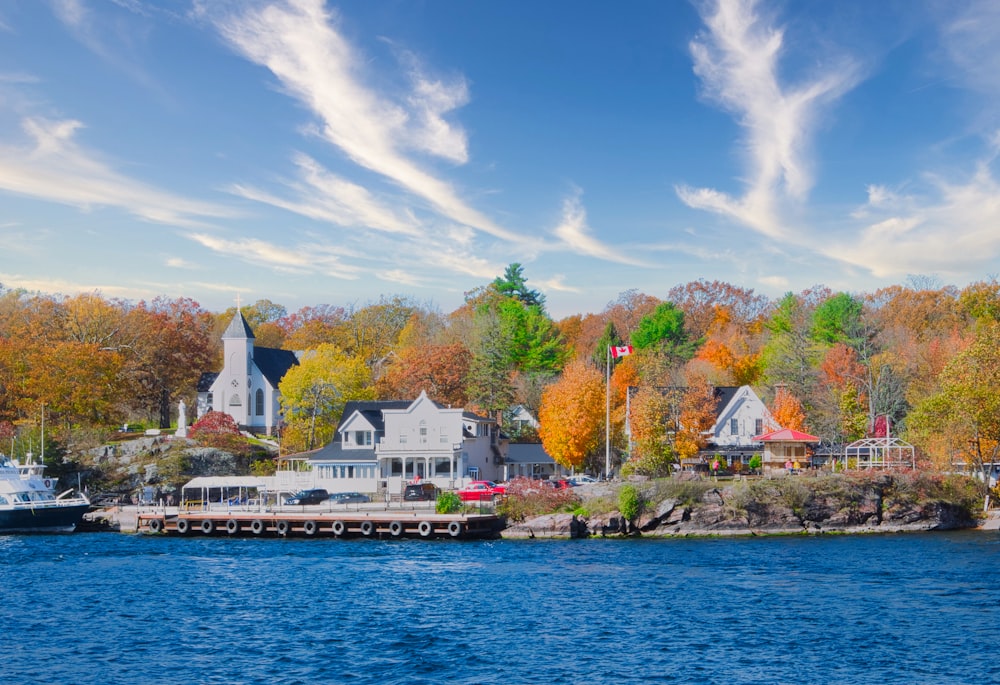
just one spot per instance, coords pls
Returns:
(581, 479)
(349, 498)
(480, 490)
(315, 496)
(415, 492)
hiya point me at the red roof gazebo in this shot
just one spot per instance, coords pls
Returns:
(785, 445)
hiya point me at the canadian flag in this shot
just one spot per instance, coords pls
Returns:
(622, 351)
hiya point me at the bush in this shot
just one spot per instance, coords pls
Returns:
(448, 503)
(527, 497)
(629, 502)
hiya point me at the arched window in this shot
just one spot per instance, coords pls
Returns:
(260, 402)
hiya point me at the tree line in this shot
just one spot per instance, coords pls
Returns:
(919, 360)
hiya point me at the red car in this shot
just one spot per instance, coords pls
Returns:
(480, 490)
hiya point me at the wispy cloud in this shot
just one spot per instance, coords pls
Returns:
(323, 196)
(950, 229)
(303, 258)
(576, 235)
(53, 167)
(737, 60)
(299, 43)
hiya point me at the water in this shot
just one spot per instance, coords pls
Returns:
(110, 608)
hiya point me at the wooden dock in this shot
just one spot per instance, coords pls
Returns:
(349, 524)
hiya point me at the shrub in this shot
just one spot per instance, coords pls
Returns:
(629, 502)
(527, 497)
(447, 503)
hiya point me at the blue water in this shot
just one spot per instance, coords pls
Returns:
(112, 608)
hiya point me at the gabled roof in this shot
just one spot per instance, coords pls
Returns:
(206, 380)
(723, 395)
(273, 363)
(786, 435)
(238, 328)
(371, 410)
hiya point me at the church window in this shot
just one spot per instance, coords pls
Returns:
(234, 401)
(260, 402)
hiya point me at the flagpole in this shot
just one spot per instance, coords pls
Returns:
(607, 414)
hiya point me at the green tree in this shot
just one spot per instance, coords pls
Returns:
(837, 320)
(663, 331)
(514, 284)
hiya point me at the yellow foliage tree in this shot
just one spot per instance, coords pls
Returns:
(697, 415)
(571, 416)
(313, 395)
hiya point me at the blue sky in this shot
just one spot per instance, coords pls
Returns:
(326, 153)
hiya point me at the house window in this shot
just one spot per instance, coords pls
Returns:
(210, 400)
(363, 437)
(758, 427)
(734, 426)
(402, 438)
(260, 402)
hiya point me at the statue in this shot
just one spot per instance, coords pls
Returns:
(181, 420)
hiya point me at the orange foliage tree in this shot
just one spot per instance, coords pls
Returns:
(697, 415)
(786, 410)
(439, 369)
(572, 415)
(651, 425)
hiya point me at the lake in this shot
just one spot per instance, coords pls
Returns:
(114, 608)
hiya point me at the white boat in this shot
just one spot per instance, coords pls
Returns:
(29, 503)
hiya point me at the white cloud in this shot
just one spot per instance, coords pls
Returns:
(298, 42)
(56, 169)
(737, 60)
(326, 197)
(949, 230)
(576, 235)
(302, 258)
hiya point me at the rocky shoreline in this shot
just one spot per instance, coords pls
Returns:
(784, 507)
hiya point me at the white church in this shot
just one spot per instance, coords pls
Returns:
(247, 386)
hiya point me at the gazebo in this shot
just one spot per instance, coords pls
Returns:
(880, 453)
(783, 446)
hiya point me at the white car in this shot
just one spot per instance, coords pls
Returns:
(582, 479)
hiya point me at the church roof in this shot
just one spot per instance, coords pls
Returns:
(206, 380)
(273, 363)
(238, 328)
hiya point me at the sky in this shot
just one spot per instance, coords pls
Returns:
(311, 152)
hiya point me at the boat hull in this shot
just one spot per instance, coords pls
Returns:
(42, 519)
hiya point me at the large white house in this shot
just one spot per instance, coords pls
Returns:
(382, 445)
(247, 386)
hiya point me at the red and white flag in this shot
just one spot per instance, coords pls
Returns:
(621, 351)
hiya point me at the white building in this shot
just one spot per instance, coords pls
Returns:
(382, 445)
(247, 386)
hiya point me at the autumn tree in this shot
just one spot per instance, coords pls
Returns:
(734, 349)
(310, 327)
(786, 410)
(314, 392)
(701, 299)
(651, 450)
(697, 416)
(440, 370)
(964, 417)
(572, 415)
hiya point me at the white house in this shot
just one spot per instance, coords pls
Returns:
(247, 386)
(740, 417)
(381, 445)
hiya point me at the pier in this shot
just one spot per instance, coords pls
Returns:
(362, 523)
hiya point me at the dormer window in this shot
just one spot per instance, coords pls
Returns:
(363, 438)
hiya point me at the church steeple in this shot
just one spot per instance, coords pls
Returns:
(238, 328)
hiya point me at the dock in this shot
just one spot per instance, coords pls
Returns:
(376, 524)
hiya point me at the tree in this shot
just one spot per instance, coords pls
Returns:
(786, 410)
(838, 319)
(733, 349)
(697, 416)
(608, 339)
(699, 300)
(314, 392)
(963, 419)
(440, 370)
(513, 284)
(651, 451)
(572, 415)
